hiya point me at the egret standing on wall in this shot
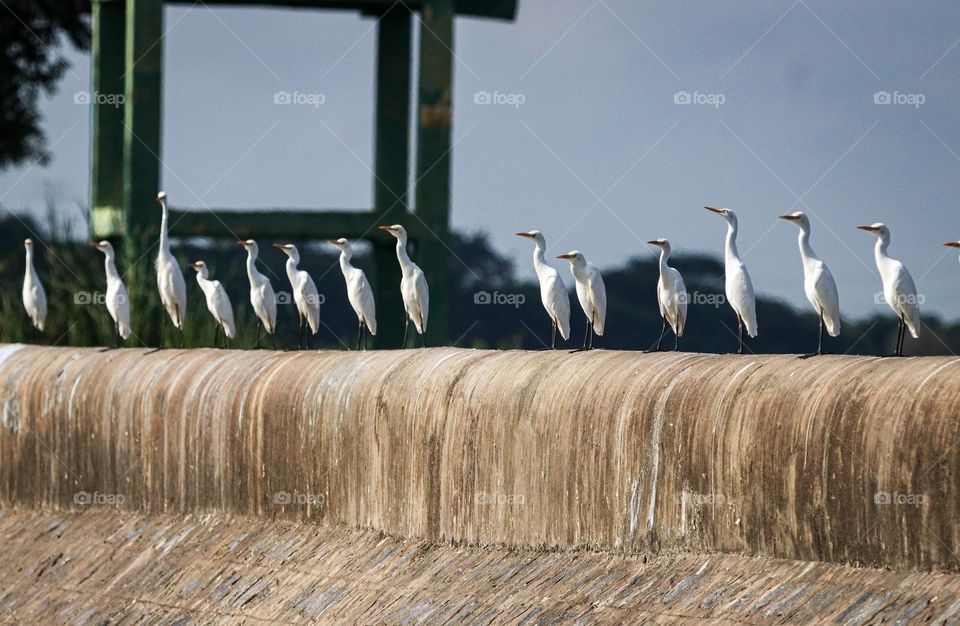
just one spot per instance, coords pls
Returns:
(218, 303)
(739, 289)
(34, 297)
(359, 292)
(590, 292)
(553, 293)
(671, 296)
(117, 300)
(305, 294)
(413, 287)
(898, 288)
(818, 282)
(262, 297)
(173, 289)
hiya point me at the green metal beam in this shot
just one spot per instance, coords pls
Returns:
(433, 155)
(276, 224)
(392, 166)
(141, 166)
(106, 107)
(497, 9)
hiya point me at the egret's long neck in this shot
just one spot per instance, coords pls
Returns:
(539, 262)
(664, 257)
(406, 265)
(252, 272)
(31, 273)
(731, 244)
(806, 252)
(164, 244)
(110, 267)
(345, 264)
(291, 269)
(880, 251)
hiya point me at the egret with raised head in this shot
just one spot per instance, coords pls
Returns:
(553, 293)
(818, 283)
(899, 290)
(170, 283)
(738, 287)
(359, 292)
(591, 293)
(413, 287)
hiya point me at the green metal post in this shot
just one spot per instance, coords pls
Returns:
(141, 166)
(106, 106)
(392, 169)
(433, 158)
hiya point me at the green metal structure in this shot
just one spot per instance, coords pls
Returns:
(128, 59)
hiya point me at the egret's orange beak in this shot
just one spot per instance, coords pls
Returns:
(866, 228)
(714, 209)
(528, 235)
(565, 256)
(94, 244)
(788, 217)
(240, 242)
(952, 244)
(333, 241)
(194, 265)
(280, 246)
(655, 242)
(386, 228)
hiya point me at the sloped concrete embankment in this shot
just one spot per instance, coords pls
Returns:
(833, 459)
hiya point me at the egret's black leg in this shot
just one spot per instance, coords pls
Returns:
(259, 330)
(406, 327)
(359, 333)
(553, 336)
(586, 335)
(308, 332)
(182, 329)
(163, 326)
(274, 335)
(901, 335)
(663, 329)
(590, 334)
(216, 331)
(676, 342)
(116, 327)
(739, 335)
(34, 334)
(423, 338)
(820, 337)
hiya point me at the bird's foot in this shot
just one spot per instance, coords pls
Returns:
(808, 355)
(579, 350)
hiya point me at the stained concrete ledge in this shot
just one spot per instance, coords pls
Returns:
(105, 566)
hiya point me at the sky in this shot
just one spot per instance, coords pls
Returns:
(611, 122)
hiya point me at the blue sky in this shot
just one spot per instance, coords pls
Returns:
(599, 154)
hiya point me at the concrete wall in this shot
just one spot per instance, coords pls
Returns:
(760, 455)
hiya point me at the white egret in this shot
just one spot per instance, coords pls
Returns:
(359, 292)
(590, 292)
(818, 283)
(898, 288)
(305, 294)
(170, 283)
(413, 287)
(218, 303)
(553, 293)
(117, 300)
(262, 297)
(34, 297)
(671, 296)
(739, 289)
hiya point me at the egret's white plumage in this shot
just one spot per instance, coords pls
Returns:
(553, 293)
(305, 294)
(117, 300)
(359, 292)
(262, 296)
(172, 287)
(739, 288)
(818, 283)
(413, 284)
(591, 292)
(34, 297)
(671, 294)
(899, 290)
(218, 302)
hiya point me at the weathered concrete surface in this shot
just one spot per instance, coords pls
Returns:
(614, 451)
(100, 566)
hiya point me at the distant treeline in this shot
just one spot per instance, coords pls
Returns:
(491, 307)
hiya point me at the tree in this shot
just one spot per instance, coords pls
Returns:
(32, 33)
